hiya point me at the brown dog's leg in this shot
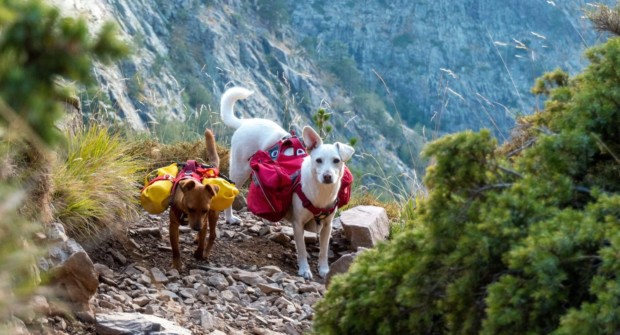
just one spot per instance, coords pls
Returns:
(213, 215)
(174, 241)
(202, 234)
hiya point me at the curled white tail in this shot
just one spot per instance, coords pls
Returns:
(228, 102)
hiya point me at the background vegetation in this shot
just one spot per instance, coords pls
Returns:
(518, 239)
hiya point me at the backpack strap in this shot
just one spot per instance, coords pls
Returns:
(158, 178)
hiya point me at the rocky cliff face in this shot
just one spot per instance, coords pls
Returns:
(441, 64)
(462, 64)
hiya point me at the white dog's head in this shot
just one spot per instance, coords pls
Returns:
(326, 160)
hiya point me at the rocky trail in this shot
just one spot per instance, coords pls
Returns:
(249, 284)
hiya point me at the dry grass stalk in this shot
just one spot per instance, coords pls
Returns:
(605, 19)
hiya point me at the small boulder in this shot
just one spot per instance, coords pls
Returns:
(75, 281)
(365, 226)
(342, 265)
(159, 276)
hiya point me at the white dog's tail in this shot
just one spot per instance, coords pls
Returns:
(228, 102)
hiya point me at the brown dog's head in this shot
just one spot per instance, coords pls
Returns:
(196, 201)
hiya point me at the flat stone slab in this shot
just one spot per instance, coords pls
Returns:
(136, 323)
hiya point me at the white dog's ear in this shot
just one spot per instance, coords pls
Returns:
(346, 151)
(312, 140)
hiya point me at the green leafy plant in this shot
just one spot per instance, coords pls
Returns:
(36, 45)
(38, 48)
(518, 241)
(321, 120)
(18, 276)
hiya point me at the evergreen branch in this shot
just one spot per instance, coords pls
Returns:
(513, 172)
(13, 119)
(584, 257)
(583, 189)
(526, 145)
(494, 187)
(545, 130)
(602, 144)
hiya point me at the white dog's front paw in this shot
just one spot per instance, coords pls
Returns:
(323, 271)
(305, 272)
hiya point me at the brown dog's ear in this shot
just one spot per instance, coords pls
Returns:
(212, 189)
(188, 185)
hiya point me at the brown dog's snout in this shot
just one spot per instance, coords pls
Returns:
(328, 179)
(196, 224)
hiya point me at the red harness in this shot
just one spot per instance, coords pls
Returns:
(344, 195)
(191, 170)
(319, 213)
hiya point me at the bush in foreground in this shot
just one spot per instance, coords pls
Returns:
(521, 244)
(37, 48)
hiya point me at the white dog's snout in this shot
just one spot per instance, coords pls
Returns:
(328, 179)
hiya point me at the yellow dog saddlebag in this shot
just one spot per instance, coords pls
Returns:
(155, 196)
(225, 196)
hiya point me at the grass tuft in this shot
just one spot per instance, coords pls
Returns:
(96, 184)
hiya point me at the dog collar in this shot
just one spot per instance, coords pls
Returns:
(319, 213)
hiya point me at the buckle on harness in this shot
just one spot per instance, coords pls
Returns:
(321, 216)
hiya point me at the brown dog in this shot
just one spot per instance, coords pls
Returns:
(193, 200)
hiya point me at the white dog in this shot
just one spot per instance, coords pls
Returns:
(321, 173)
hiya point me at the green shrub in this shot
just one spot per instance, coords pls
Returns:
(95, 184)
(38, 48)
(18, 276)
(524, 245)
(321, 121)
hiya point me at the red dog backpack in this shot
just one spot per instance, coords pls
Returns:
(275, 174)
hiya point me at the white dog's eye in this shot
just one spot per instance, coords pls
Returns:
(319, 160)
(336, 161)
